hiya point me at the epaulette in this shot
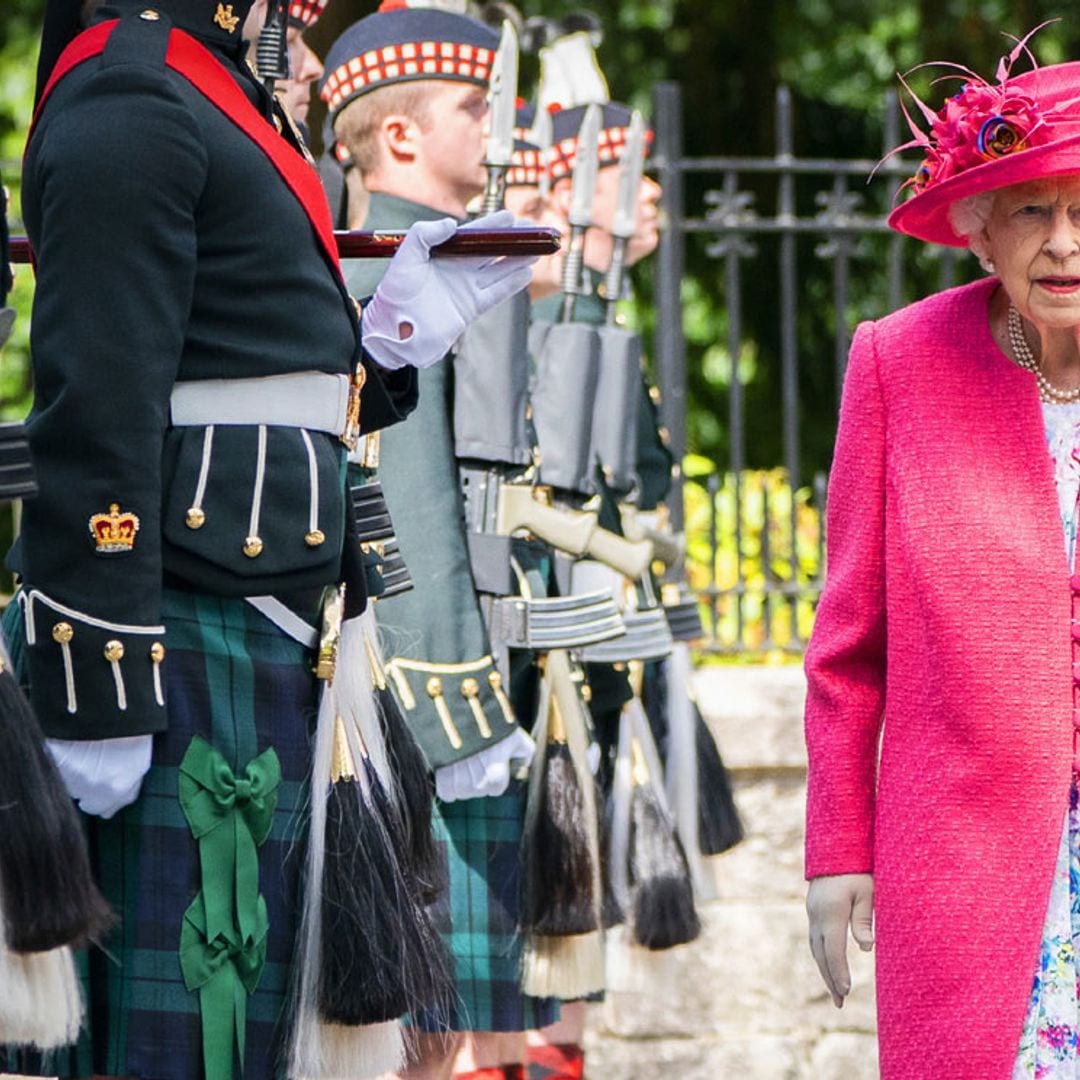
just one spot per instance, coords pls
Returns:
(141, 37)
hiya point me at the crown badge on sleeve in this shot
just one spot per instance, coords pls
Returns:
(114, 531)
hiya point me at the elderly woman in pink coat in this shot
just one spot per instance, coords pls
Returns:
(943, 826)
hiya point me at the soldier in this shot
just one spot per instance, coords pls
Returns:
(406, 91)
(305, 68)
(197, 367)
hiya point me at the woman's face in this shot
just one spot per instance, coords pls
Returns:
(1034, 241)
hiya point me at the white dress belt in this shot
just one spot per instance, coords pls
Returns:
(305, 399)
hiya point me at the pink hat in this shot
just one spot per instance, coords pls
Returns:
(988, 136)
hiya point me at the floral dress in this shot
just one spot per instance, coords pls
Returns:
(1048, 1045)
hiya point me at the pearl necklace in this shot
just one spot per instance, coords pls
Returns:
(1025, 358)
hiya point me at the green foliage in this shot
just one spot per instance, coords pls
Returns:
(750, 553)
(19, 29)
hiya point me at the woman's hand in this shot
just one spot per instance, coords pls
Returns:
(833, 903)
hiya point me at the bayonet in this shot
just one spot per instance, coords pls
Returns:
(541, 136)
(582, 194)
(502, 112)
(631, 167)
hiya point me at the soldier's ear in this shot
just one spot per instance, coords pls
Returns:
(400, 137)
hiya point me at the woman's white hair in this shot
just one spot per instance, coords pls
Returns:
(968, 218)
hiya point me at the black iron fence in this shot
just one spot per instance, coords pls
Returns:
(756, 528)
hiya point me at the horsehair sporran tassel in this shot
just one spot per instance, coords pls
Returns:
(696, 783)
(321, 1050)
(406, 944)
(680, 763)
(412, 784)
(564, 950)
(369, 952)
(40, 999)
(353, 985)
(47, 893)
(720, 827)
(662, 899)
(402, 942)
(560, 895)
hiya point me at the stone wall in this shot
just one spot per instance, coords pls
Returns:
(745, 1001)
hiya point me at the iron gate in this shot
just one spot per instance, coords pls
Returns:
(757, 544)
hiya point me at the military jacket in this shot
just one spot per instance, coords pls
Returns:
(440, 658)
(170, 250)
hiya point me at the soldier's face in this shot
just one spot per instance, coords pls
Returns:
(305, 68)
(450, 146)
(599, 239)
(646, 219)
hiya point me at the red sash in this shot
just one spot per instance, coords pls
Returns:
(197, 64)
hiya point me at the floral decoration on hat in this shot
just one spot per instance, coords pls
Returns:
(984, 121)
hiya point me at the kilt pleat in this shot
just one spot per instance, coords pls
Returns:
(478, 915)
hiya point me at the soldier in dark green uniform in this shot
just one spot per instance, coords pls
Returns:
(197, 368)
(406, 90)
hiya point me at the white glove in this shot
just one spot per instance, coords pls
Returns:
(423, 305)
(833, 903)
(485, 773)
(102, 775)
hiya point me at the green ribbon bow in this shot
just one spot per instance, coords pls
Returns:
(224, 969)
(229, 816)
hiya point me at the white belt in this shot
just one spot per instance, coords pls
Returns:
(306, 399)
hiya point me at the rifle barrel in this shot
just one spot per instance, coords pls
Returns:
(382, 245)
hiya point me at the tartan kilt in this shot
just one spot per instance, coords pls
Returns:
(235, 679)
(478, 917)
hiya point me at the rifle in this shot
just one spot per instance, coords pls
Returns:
(491, 399)
(496, 507)
(615, 415)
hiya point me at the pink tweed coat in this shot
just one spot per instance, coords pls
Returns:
(943, 636)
